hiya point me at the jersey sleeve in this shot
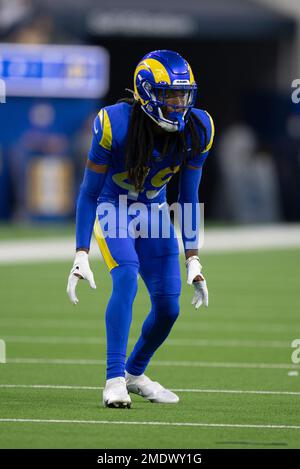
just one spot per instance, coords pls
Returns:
(207, 121)
(102, 141)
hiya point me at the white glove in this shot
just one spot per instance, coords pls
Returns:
(201, 292)
(80, 270)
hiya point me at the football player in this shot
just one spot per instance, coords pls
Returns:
(137, 146)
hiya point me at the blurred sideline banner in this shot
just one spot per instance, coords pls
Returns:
(54, 70)
(53, 94)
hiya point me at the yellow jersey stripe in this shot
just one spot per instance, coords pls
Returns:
(106, 139)
(211, 135)
(108, 259)
(100, 114)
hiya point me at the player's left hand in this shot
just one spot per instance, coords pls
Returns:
(195, 277)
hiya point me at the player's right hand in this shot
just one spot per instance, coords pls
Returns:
(80, 270)
(195, 277)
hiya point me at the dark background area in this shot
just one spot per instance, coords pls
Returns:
(242, 56)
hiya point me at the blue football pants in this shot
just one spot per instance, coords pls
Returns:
(157, 262)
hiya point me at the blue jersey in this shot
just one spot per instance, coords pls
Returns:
(109, 146)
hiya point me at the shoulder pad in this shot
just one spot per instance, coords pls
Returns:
(208, 123)
(103, 130)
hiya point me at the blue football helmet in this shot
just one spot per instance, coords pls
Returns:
(165, 86)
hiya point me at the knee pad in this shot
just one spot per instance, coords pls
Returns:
(124, 278)
(166, 307)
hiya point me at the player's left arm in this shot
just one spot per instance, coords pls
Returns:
(190, 179)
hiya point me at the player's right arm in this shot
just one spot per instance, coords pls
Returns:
(93, 181)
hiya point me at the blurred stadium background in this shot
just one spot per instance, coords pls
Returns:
(245, 56)
(60, 62)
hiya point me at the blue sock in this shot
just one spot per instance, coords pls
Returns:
(156, 328)
(118, 317)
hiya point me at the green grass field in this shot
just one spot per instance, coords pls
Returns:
(229, 363)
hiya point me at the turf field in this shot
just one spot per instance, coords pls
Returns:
(229, 364)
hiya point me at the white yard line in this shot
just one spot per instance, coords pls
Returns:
(230, 343)
(216, 240)
(203, 391)
(186, 325)
(192, 364)
(169, 424)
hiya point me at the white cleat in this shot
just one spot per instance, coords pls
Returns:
(115, 394)
(151, 390)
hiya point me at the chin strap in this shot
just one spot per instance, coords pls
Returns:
(165, 124)
(177, 123)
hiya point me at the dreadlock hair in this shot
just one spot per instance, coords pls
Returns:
(140, 143)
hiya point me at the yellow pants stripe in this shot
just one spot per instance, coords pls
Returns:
(108, 259)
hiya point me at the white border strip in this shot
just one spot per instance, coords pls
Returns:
(240, 238)
(72, 340)
(185, 325)
(196, 364)
(99, 388)
(169, 424)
